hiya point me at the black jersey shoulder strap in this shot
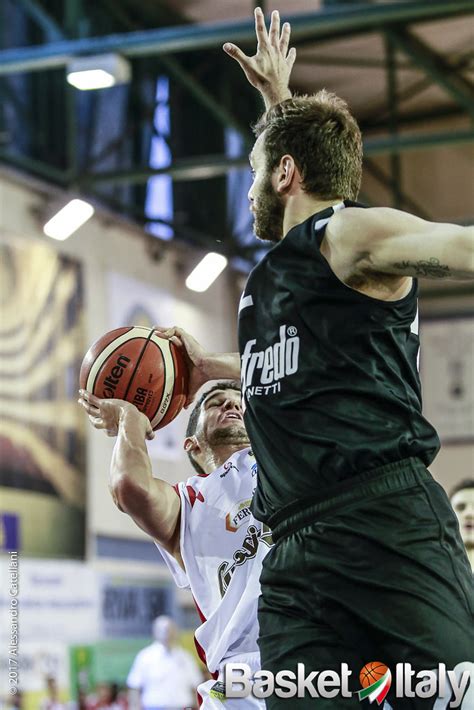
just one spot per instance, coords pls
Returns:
(320, 219)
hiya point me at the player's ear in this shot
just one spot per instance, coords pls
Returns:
(191, 445)
(286, 173)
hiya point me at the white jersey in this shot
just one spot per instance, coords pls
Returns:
(222, 546)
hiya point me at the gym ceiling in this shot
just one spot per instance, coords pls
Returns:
(405, 69)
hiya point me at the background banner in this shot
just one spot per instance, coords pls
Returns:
(42, 449)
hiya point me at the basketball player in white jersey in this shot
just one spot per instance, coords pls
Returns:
(203, 527)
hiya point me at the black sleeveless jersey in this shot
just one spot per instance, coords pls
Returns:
(330, 380)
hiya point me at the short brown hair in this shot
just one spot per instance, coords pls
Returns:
(322, 136)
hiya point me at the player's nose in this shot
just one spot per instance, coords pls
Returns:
(232, 404)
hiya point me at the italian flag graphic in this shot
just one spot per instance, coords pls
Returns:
(378, 690)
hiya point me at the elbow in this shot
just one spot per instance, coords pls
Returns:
(127, 494)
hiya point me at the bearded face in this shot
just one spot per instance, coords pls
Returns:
(221, 421)
(265, 203)
(268, 210)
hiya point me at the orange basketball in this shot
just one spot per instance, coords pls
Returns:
(136, 364)
(372, 672)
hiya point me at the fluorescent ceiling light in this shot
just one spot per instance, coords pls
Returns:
(98, 72)
(91, 79)
(68, 219)
(206, 272)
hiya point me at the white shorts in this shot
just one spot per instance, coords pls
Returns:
(212, 693)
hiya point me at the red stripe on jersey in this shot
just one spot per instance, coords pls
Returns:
(175, 487)
(191, 494)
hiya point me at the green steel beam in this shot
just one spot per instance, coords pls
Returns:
(413, 118)
(392, 100)
(205, 167)
(435, 66)
(35, 167)
(386, 181)
(352, 62)
(42, 18)
(200, 168)
(205, 98)
(378, 115)
(386, 144)
(189, 82)
(325, 24)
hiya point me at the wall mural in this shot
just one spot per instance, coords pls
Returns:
(42, 429)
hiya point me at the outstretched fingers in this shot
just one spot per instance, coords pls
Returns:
(285, 38)
(236, 53)
(274, 33)
(260, 28)
(290, 60)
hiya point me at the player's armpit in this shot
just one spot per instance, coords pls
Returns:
(388, 241)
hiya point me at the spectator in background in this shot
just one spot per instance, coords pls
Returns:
(52, 701)
(462, 500)
(107, 698)
(12, 702)
(163, 675)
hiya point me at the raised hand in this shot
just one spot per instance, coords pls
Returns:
(270, 68)
(106, 413)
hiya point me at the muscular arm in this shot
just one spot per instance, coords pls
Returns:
(388, 241)
(151, 502)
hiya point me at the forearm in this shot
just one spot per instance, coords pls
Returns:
(445, 251)
(223, 366)
(150, 501)
(130, 460)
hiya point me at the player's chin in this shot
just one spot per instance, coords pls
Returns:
(231, 431)
(264, 234)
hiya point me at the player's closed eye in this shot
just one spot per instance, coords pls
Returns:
(214, 403)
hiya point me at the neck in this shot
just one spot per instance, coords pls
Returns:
(301, 206)
(211, 460)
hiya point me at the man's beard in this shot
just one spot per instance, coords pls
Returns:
(269, 213)
(235, 434)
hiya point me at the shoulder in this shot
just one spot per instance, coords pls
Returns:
(361, 227)
(142, 656)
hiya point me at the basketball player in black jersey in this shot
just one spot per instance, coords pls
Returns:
(368, 563)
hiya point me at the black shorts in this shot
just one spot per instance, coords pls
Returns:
(376, 573)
